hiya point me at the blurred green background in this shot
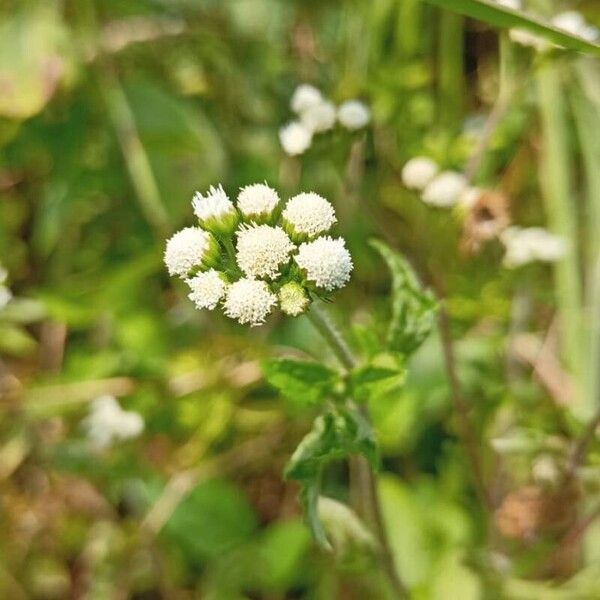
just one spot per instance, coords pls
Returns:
(112, 114)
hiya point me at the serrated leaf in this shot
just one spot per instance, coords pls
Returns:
(413, 308)
(369, 380)
(334, 436)
(493, 13)
(305, 383)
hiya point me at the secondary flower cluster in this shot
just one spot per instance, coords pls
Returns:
(316, 115)
(255, 255)
(570, 21)
(450, 188)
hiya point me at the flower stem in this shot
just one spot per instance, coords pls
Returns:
(367, 484)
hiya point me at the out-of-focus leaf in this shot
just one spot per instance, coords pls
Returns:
(212, 519)
(300, 381)
(454, 580)
(15, 341)
(34, 58)
(413, 309)
(493, 13)
(183, 146)
(23, 310)
(335, 435)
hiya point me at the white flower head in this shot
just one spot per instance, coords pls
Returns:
(257, 202)
(108, 422)
(418, 172)
(295, 138)
(319, 117)
(262, 250)
(249, 301)
(305, 96)
(354, 114)
(326, 262)
(308, 215)
(293, 299)
(190, 249)
(445, 189)
(469, 197)
(215, 211)
(524, 245)
(207, 289)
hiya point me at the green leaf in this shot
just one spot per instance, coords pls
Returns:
(306, 383)
(490, 12)
(370, 380)
(413, 309)
(334, 436)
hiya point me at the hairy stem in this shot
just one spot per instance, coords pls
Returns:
(369, 494)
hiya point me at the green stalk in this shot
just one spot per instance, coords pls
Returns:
(586, 110)
(369, 492)
(557, 188)
(450, 68)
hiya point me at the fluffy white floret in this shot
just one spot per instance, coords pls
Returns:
(418, 172)
(295, 138)
(214, 205)
(445, 189)
(309, 214)
(207, 289)
(262, 250)
(108, 422)
(354, 114)
(249, 301)
(257, 199)
(524, 245)
(305, 96)
(326, 262)
(186, 250)
(319, 117)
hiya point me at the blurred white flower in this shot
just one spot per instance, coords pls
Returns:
(514, 4)
(326, 262)
(526, 38)
(215, 211)
(305, 96)
(262, 250)
(5, 296)
(445, 189)
(469, 197)
(307, 215)
(293, 300)
(295, 138)
(545, 469)
(207, 289)
(418, 172)
(189, 249)
(353, 114)
(318, 117)
(257, 201)
(249, 301)
(107, 422)
(574, 23)
(524, 245)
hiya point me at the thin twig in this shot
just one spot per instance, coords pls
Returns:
(465, 428)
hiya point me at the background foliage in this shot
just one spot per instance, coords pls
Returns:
(111, 115)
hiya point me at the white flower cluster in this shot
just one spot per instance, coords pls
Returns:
(316, 114)
(5, 293)
(442, 189)
(107, 422)
(571, 22)
(254, 255)
(525, 245)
